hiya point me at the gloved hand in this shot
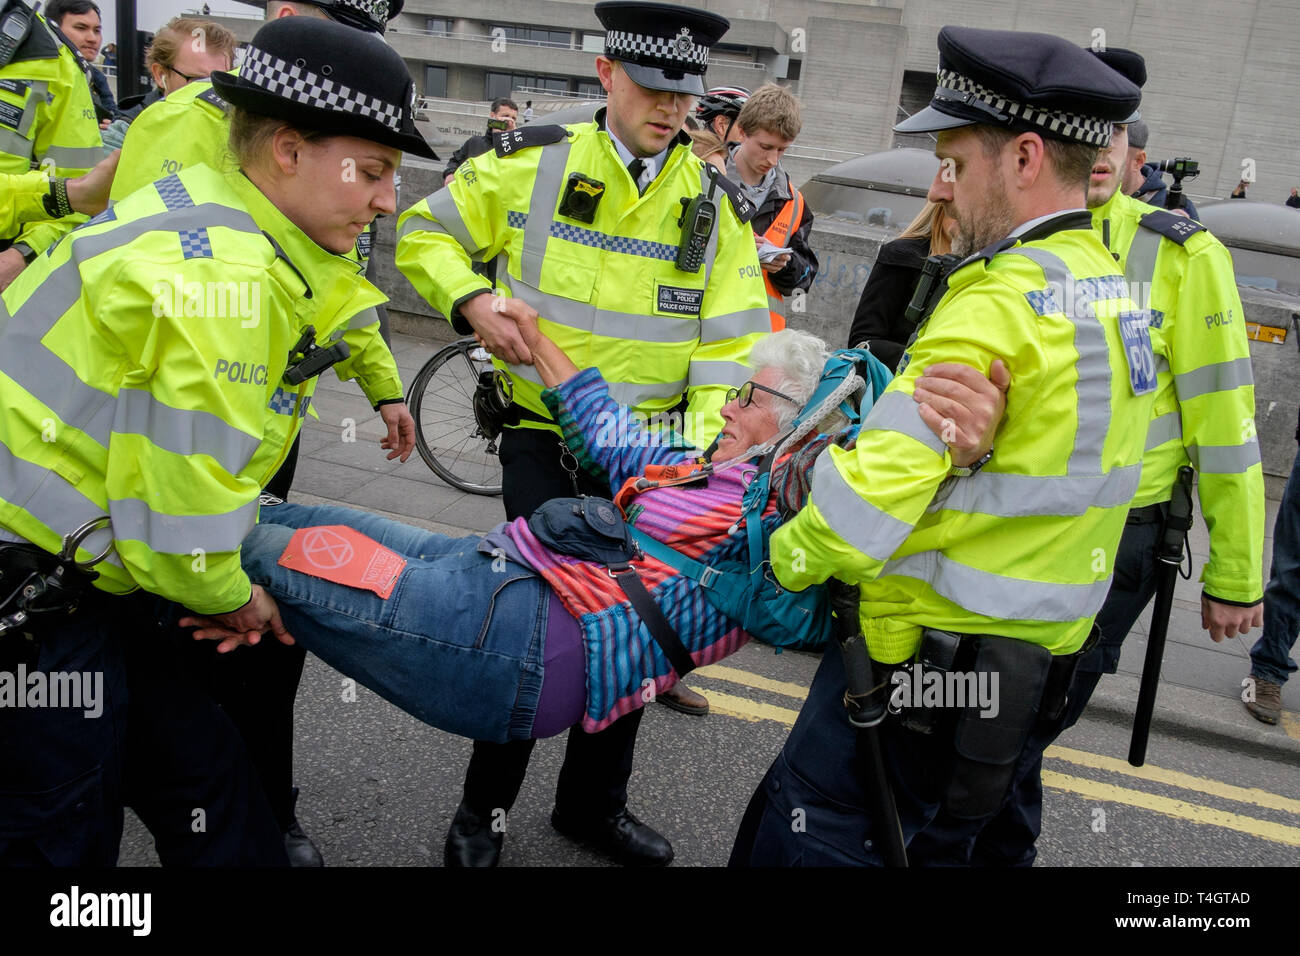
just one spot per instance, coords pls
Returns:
(115, 134)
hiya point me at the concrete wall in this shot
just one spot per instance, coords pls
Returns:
(849, 85)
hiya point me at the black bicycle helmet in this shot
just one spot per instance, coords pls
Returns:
(721, 100)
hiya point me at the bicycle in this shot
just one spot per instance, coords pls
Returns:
(453, 441)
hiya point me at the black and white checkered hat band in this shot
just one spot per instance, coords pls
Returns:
(376, 10)
(1073, 126)
(297, 83)
(680, 51)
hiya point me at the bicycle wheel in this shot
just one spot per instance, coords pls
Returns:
(447, 435)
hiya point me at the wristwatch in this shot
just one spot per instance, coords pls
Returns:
(56, 200)
(973, 467)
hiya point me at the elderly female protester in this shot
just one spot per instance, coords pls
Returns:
(156, 368)
(503, 637)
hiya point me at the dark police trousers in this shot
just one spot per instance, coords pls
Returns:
(1009, 838)
(156, 745)
(593, 779)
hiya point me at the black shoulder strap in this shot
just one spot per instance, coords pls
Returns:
(646, 608)
(211, 96)
(745, 210)
(989, 251)
(1171, 225)
(508, 142)
(40, 43)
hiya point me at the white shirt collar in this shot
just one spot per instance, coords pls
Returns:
(652, 163)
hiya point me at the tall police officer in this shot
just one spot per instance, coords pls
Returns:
(588, 230)
(189, 127)
(145, 410)
(1204, 414)
(47, 119)
(989, 571)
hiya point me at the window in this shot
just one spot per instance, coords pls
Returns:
(439, 27)
(590, 89)
(533, 35)
(435, 81)
(503, 84)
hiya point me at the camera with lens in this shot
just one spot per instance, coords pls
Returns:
(581, 197)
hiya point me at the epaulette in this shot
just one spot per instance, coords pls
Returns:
(41, 43)
(1171, 225)
(210, 95)
(989, 251)
(507, 142)
(745, 210)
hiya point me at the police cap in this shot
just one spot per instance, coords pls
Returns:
(369, 15)
(661, 46)
(323, 76)
(1024, 81)
(1129, 64)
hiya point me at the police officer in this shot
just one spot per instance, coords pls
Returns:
(588, 230)
(47, 119)
(1204, 414)
(995, 570)
(31, 197)
(149, 396)
(189, 127)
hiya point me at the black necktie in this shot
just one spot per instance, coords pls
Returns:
(635, 169)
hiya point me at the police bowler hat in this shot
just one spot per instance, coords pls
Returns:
(323, 76)
(369, 15)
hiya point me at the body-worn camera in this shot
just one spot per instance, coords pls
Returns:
(582, 195)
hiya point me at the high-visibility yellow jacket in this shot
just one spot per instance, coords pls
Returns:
(607, 291)
(47, 119)
(140, 373)
(1204, 410)
(1024, 548)
(191, 127)
(22, 198)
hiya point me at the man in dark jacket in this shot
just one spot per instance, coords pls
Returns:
(502, 118)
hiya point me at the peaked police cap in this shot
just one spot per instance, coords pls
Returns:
(323, 76)
(661, 46)
(1129, 64)
(1024, 81)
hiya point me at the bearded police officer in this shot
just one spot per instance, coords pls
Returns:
(1203, 414)
(155, 369)
(993, 574)
(616, 236)
(189, 127)
(47, 119)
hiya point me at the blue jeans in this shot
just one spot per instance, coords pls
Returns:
(457, 644)
(1270, 658)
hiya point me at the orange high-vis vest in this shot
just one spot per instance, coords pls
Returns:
(779, 234)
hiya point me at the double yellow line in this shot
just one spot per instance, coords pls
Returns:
(743, 708)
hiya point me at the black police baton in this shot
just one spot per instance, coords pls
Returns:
(1170, 555)
(865, 703)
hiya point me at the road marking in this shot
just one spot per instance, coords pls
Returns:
(1264, 829)
(750, 710)
(1174, 778)
(735, 675)
(1291, 724)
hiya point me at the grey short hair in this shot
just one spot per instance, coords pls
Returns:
(798, 357)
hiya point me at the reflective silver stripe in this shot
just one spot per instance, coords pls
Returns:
(1018, 496)
(999, 596)
(1164, 428)
(719, 373)
(896, 411)
(183, 431)
(1220, 377)
(14, 145)
(734, 325)
(1140, 266)
(364, 318)
(51, 500)
(75, 157)
(133, 520)
(42, 373)
(1092, 389)
(39, 90)
(619, 325)
(1224, 459)
(541, 209)
(448, 222)
(634, 393)
(872, 531)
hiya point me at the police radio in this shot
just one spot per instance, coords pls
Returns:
(15, 26)
(698, 217)
(307, 359)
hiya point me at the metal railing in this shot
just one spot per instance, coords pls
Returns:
(479, 38)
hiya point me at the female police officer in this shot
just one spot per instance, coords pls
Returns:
(154, 373)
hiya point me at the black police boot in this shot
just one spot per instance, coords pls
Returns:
(297, 844)
(621, 836)
(471, 841)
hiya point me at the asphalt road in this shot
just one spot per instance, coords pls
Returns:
(379, 787)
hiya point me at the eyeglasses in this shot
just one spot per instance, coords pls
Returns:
(746, 393)
(186, 77)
